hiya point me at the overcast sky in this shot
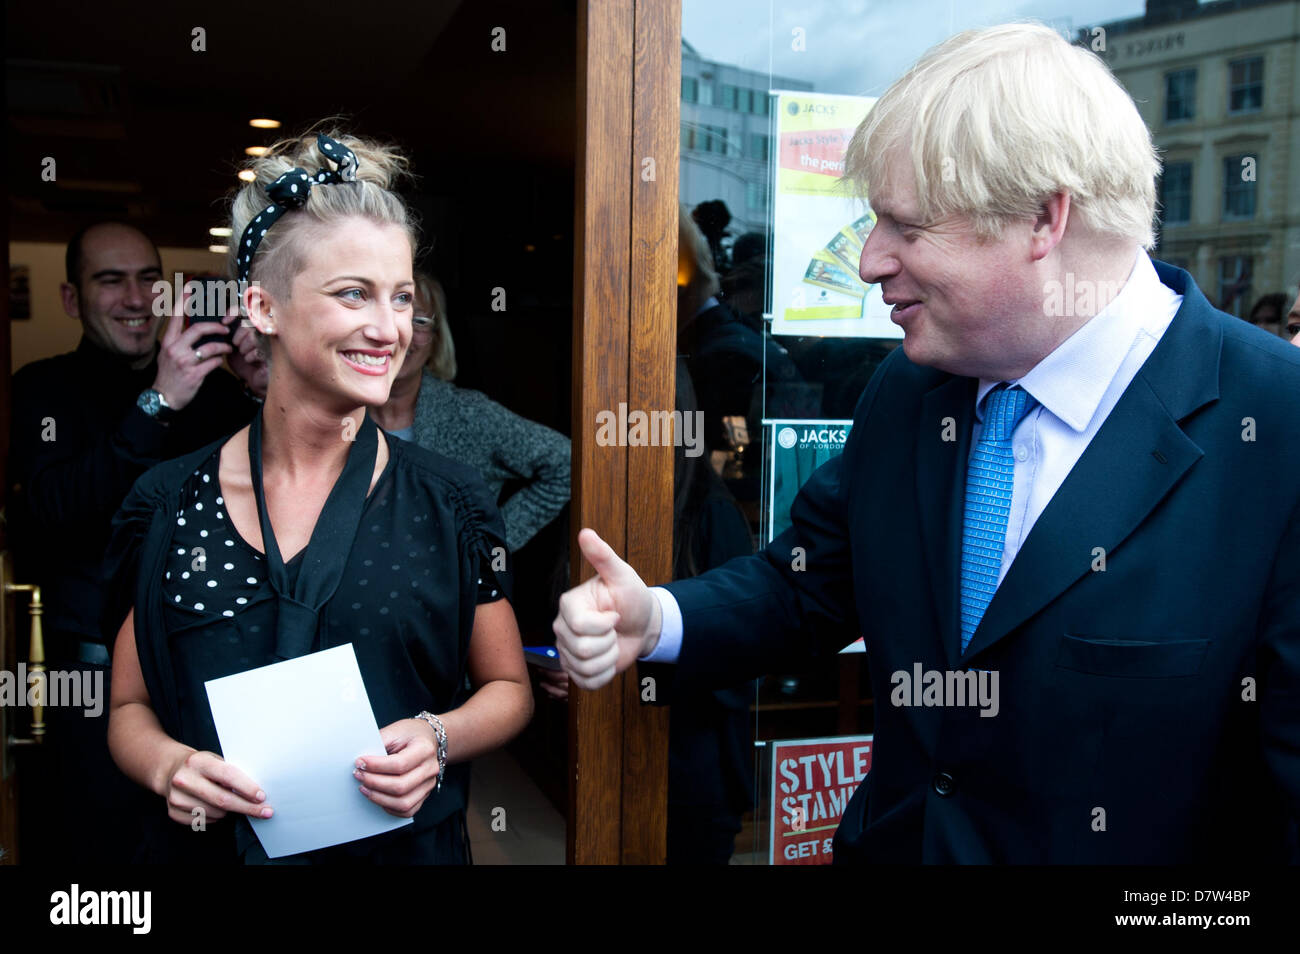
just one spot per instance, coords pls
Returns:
(861, 46)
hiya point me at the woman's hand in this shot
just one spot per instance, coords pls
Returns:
(400, 781)
(207, 782)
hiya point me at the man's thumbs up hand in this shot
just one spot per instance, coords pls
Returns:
(605, 624)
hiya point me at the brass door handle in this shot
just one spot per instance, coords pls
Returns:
(38, 675)
(36, 672)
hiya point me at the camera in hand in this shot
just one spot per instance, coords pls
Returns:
(210, 303)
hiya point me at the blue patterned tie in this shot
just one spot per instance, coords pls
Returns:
(989, 481)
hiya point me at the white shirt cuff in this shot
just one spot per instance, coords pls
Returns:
(669, 646)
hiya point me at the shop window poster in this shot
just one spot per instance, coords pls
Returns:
(799, 447)
(818, 227)
(812, 782)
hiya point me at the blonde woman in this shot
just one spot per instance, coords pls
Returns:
(317, 531)
(425, 407)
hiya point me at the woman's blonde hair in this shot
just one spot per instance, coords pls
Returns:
(997, 120)
(280, 254)
(442, 357)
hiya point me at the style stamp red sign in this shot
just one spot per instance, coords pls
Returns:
(812, 782)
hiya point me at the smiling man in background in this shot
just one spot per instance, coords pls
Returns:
(85, 425)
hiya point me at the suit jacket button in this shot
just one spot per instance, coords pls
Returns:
(943, 784)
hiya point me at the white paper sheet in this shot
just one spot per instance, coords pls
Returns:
(296, 728)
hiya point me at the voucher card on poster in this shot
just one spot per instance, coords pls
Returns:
(818, 227)
(812, 782)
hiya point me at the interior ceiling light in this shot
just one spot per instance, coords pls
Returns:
(264, 123)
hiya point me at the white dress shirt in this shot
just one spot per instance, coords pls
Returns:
(1076, 387)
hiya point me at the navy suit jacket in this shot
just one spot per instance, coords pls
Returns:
(1148, 712)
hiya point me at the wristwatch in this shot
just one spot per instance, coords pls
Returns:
(155, 405)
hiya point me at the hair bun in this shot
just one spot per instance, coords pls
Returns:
(378, 163)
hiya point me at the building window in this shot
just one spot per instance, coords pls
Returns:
(1234, 284)
(1180, 95)
(706, 91)
(704, 138)
(690, 89)
(1239, 187)
(758, 146)
(745, 100)
(1176, 193)
(1246, 85)
(713, 139)
(756, 196)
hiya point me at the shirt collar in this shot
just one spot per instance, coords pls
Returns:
(1072, 380)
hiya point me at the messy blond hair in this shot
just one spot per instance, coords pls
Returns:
(280, 254)
(997, 120)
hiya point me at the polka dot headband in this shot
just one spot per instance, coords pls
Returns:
(289, 192)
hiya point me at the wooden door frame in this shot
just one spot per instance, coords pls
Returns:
(624, 351)
(8, 779)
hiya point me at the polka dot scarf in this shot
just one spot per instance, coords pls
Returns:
(290, 191)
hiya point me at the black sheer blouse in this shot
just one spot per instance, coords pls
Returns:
(429, 548)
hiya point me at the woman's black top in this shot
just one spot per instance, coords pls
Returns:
(430, 547)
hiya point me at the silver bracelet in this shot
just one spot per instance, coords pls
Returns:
(441, 732)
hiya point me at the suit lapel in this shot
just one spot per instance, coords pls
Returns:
(940, 488)
(1137, 456)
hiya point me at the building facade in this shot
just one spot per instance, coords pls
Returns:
(726, 137)
(1217, 85)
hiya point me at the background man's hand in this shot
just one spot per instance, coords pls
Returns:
(181, 367)
(605, 624)
(246, 361)
(554, 682)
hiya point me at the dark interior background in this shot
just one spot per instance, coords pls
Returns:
(147, 130)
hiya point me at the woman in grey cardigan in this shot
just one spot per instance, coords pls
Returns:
(468, 426)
